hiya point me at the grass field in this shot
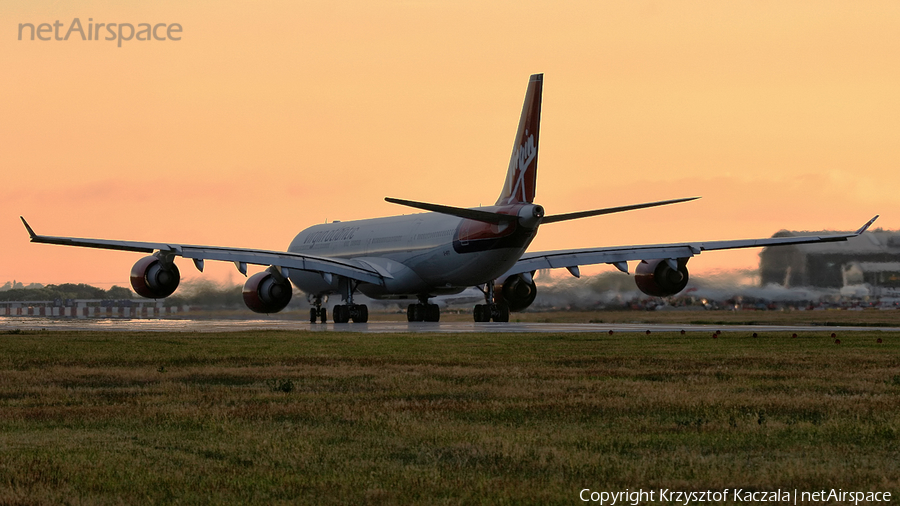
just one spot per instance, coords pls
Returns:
(343, 418)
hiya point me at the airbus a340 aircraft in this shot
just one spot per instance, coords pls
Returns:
(439, 252)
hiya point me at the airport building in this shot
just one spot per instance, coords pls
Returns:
(90, 308)
(872, 258)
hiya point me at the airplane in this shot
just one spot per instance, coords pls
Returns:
(440, 252)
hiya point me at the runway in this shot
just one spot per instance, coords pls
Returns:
(187, 325)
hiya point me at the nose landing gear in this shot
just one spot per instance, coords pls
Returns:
(317, 312)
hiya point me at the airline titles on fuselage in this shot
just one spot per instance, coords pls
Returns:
(340, 234)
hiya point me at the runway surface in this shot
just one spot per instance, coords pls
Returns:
(186, 325)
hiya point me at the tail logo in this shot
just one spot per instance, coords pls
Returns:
(524, 155)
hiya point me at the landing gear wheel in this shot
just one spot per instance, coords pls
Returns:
(359, 313)
(487, 312)
(318, 313)
(413, 314)
(500, 313)
(423, 313)
(341, 314)
(482, 313)
(432, 313)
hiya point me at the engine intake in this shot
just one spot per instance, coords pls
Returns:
(153, 278)
(266, 293)
(656, 278)
(517, 292)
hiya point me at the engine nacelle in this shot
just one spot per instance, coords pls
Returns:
(517, 292)
(154, 278)
(657, 278)
(265, 292)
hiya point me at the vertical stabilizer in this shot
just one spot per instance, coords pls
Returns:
(521, 177)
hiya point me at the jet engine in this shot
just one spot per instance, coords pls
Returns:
(518, 292)
(154, 278)
(658, 278)
(266, 292)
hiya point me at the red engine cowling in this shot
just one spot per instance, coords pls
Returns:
(657, 278)
(264, 293)
(153, 278)
(517, 292)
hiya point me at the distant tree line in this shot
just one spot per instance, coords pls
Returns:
(207, 294)
(63, 292)
(15, 284)
(194, 293)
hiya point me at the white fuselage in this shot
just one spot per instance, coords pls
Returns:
(417, 254)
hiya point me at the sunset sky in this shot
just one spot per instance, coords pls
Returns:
(268, 117)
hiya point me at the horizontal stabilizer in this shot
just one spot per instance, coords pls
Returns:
(609, 210)
(459, 212)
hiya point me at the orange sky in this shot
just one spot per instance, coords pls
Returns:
(269, 117)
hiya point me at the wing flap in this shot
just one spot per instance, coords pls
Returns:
(345, 268)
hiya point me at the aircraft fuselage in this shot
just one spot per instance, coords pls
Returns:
(426, 253)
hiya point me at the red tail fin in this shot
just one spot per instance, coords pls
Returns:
(521, 177)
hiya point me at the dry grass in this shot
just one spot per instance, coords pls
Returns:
(295, 417)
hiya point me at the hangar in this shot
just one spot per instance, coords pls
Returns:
(872, 258)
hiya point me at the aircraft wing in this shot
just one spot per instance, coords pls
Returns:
(620, 255)
(356, 270)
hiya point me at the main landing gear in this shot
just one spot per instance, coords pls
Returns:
(499, 312)
(342, 313)
(423, 311)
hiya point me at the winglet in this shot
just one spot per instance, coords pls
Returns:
(861, 229)
(28, 228)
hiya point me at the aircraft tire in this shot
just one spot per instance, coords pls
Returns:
(502, 313)
(313, 315)
(362, 314)
(341, 314)
(432, 313)
(323, 315)
(482, 313)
